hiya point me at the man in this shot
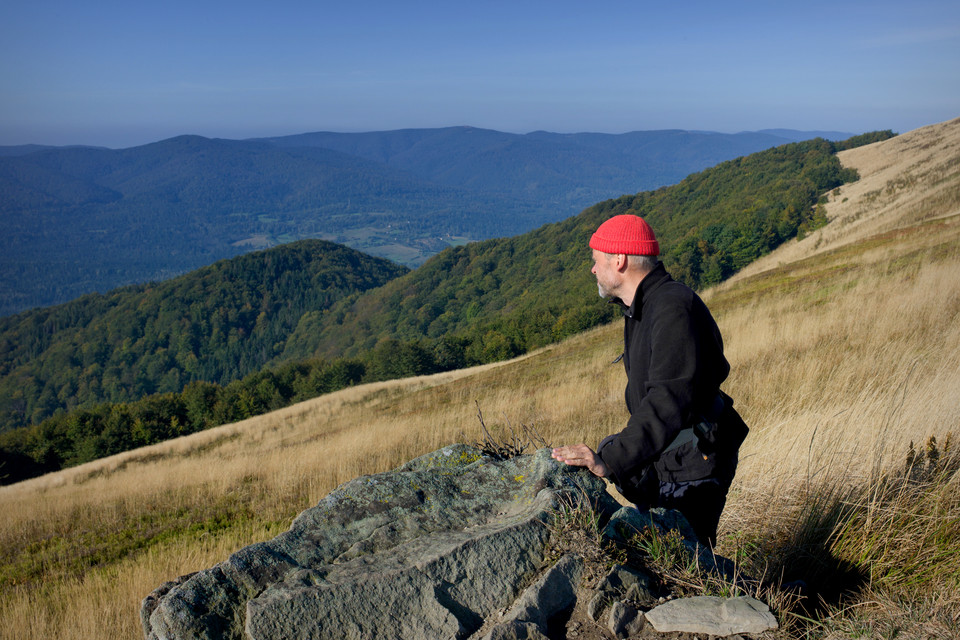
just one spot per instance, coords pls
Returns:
(679, 447)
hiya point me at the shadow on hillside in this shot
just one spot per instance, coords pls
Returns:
(893, 532)
(821, 581)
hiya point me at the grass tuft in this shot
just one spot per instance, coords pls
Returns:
(902, 530)
(511, 442)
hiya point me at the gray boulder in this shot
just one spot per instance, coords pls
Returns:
(624, 620)
(429, 550)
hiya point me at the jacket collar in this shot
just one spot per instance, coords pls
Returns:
(650, 282)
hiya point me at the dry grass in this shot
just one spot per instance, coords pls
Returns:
(199, 498)
(905, 180)
(869, 356)
(839, 361)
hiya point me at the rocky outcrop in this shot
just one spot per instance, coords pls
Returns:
(429, 550)
(453, 544)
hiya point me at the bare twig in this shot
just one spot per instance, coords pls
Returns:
(513, 445)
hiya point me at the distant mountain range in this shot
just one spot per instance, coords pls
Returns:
(84, 219)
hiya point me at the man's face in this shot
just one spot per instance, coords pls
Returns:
(604, 268)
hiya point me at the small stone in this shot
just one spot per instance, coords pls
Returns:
(621, 580)
(516, 630)
(628, 521)
(596, 605)
(712, 615)
(624, 620)
(640, 596)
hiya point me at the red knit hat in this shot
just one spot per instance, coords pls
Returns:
(626, 234)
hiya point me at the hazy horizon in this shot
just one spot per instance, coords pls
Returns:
(770, 131)
(120, 74)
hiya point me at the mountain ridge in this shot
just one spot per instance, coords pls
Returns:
(82, 219)
(839, 361)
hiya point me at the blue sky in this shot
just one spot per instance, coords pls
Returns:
(124, 73)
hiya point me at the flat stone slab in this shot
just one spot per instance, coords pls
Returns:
(713, 616)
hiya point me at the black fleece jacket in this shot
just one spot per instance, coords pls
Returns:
(673, 356)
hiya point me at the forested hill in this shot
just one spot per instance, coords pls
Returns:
(504, 296)
(216, 324)
(78, 220)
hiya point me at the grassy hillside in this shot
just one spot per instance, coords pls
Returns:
(840, 361)
(504, 296)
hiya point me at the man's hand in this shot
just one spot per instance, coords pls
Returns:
(580, 455)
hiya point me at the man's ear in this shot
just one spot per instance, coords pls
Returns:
(622, 262)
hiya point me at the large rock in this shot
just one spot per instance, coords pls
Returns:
(428, 550)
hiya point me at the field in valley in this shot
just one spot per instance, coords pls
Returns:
(845, 349)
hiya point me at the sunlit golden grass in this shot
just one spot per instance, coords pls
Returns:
(874, 347)
(839, 362)
(204, 496)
